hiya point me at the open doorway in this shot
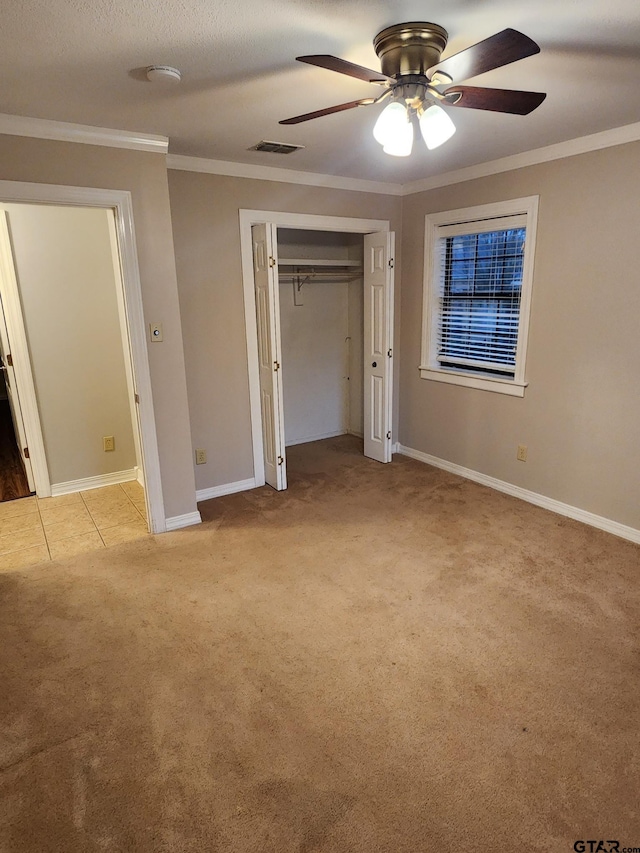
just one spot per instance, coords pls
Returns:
(306, 372)
(14, 482)
(73, 345)
(68, 338)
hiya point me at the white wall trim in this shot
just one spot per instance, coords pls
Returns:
(567, 510)
(225, 489)
(96, 482)
(315, 222)
(186, 520)
(273, 173)
(62, 131)
(119, 201)
(570, 148)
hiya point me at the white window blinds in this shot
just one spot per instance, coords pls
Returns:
(479, 277)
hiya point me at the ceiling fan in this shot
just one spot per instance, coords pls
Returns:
(417, 82)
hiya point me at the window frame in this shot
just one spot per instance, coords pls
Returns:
(482, 216)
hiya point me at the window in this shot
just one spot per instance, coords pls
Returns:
(477, 290)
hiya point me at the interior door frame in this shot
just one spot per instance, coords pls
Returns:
(281, 219)
(121, 203)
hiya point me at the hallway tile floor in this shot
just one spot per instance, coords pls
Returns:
(33, 530)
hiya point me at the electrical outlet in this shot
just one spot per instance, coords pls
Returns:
(109, 443)
(201, 457)
(521, 455)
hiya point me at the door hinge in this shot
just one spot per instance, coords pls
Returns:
(272, 261)
(25, 450)
(276, 365)
(9, 359)
(390, 263)
(280, 460)
(136, 397)
(389, 435)
(389, 352)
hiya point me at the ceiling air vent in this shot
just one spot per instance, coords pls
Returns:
(275, 147)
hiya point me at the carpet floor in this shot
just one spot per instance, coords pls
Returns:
(381, 658)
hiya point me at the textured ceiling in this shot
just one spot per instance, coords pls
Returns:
(81, 61)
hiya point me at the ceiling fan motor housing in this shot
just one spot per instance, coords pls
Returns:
(410, 48)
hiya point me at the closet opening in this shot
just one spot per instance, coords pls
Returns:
(321, 290)
(319, 318)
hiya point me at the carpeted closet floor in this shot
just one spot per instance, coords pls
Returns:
(382, 658)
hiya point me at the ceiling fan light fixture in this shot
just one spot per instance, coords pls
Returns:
(436, 126)
(392, 117)
(400, 145)
(394, 131)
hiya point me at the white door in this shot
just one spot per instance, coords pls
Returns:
(14, 401)
(265, 269)
(378, 343)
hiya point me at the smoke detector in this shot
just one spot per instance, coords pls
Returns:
(163, 74)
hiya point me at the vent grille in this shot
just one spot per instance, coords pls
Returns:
(275, 147)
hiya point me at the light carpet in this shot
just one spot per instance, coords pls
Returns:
(382, 658)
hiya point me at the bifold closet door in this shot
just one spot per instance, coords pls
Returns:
(265, 269)
(378, 344)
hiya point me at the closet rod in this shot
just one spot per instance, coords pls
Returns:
(320, 274)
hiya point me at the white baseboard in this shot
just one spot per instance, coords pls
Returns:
(316, 437)
(186, 520)
(567, 510)
(225, 489)
(357, 434)
(139, 475)
(94, 482)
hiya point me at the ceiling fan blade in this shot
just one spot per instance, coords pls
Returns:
(500, 49)
(496, 100)
(332, 63)
(327, 112)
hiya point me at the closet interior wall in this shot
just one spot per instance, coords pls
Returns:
(321, 319)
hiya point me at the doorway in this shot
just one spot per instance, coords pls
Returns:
(116, 206)
(362, 247)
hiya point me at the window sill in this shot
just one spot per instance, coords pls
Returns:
(467, 380)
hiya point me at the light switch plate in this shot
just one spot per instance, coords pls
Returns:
(155, 331)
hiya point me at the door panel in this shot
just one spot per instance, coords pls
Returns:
(10, 380)
(265, 268)
(378, 343)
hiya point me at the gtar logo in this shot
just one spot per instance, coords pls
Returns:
(597, 846)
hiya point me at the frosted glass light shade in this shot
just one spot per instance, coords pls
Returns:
(402, 143)
(436, 126)
(394, 131)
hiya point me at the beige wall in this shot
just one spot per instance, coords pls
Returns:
(144, 175)
(314, 360)
(207, 242)
(581, 410)
(67, 285)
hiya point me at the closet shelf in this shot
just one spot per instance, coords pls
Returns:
(316, 262)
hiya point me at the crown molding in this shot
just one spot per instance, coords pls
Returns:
(37, 128)
(62, 131)
(273, 173)
(570, 148)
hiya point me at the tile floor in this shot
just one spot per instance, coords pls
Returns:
(33, 530)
